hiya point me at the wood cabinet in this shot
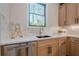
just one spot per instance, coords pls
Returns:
(71, 13)
(74, 49)
(62, 14)
(48, 47)
(68, 46)
(65, 46)
(62, 47)
(78, 13)
(0, 50)
(68, 14)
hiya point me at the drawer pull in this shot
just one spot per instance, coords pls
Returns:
(49, 50)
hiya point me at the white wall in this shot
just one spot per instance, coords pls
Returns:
(52, 14)
(18, 13)
(4, 19)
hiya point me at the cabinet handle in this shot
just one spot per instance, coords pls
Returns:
(75, 20)
(18, 47)
(49, 50)
(76, 40)
(78, 20)
(65, 22)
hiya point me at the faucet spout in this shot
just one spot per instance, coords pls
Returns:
(41, 30)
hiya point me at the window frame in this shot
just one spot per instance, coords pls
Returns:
(38, 15)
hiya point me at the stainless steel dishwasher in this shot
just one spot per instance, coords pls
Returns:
(20, 49)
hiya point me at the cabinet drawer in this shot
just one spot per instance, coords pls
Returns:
(74, 39)
(48, 42)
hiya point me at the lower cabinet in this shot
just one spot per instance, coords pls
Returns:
(42, 51)
(48, 47)
(74, 49)
(68, 46)
(62, 47)
(0, 51)
(48, 51)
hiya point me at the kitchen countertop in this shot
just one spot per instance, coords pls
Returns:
(34, 38)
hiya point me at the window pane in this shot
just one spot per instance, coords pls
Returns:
(32, 8)
(31, 19)
(37, 15)
(39, 20)
(39, 9)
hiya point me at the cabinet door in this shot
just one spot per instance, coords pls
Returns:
(68, 46)
(48, 47)
(23, 51)
(42, 51)
(48, 51)
(62, 47)
(71, 13)
(55, 50)
(78, 13)
(0, 51)
(62, 15)
(75, 49)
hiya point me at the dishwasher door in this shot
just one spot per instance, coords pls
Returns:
(21, 49)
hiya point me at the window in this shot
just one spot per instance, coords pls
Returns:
(37, 15)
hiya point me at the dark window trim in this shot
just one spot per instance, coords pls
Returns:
(39, 15)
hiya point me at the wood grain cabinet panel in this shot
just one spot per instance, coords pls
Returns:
(48, 47)
(78, 13)
(42, 51)
(62, 15)
(74, 49)
(0, 51)
(62, 47)
(71, 13)
(23, 51)
(68, 14)
(68, 46)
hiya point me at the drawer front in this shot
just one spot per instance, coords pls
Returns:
(74, 39)
(48, 42)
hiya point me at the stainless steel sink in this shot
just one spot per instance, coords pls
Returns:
(44, 36)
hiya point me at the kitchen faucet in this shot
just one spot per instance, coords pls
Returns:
(41, 30)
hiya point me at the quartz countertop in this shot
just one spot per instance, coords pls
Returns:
(34, 38)
(28, 39)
